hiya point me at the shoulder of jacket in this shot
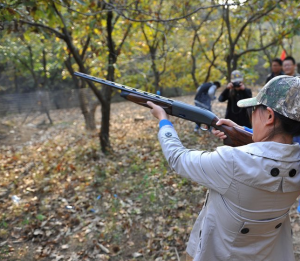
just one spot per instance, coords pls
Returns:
(225, 150)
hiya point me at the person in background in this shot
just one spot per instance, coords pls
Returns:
(205, 94)
(276, 69)
(234, 92)
(251, 187)
(289, 66)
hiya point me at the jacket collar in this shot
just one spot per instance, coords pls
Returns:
(274, 150)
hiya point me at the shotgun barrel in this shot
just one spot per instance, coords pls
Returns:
(235, 136)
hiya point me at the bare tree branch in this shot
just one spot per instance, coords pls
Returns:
(76, 54)
(256, 16)
(165, 63)
(124, 38)
(196, 29)
(258, 49)
(85, 46)
(57, 33)
(153, 19)
(275, 41)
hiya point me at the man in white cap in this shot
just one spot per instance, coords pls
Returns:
(234, 92)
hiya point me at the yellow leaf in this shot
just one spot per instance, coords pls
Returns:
(27, 37)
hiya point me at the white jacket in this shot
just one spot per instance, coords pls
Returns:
(251, 189)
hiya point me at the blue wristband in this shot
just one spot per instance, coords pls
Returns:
(248, 129)
(164, 122)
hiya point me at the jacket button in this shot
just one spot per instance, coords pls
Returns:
(292, 172)
(245, 230)
(279, 225)
(275, 172)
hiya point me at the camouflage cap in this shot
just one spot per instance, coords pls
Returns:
(236, 76)
(282, 94)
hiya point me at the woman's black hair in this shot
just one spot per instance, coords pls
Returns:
(287, 125)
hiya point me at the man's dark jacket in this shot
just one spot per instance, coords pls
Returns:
(272, 75)
(233, 112)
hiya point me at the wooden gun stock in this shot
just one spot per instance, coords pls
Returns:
(143, 101)
(235, 136)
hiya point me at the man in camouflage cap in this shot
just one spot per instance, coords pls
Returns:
(236, 76)
(235, 91)
(282, 94)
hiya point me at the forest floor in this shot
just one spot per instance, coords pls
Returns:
(63, 199)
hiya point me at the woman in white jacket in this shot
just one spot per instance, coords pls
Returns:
(252, 187)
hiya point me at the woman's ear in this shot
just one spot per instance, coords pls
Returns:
(270, 116)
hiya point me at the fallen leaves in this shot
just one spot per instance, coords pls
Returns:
(78, 204)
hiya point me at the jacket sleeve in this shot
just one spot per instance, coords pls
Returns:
(268, 78)
(248, 93)
(224, 95)
(211, 169)
(198, 89)
(211, 92)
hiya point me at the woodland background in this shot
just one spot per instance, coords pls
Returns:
(88, 176)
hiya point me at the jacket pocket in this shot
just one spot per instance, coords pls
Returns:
(257, 237)
(201, 234)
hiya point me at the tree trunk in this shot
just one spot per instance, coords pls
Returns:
(154, 69)
(232, 62)
(93, 108)
(105, 112)
(104, 132)
(228, 65)
(88, 114)
(193, 71)
(31, 66)
(45, 68)
(105, 109)
(17, 88)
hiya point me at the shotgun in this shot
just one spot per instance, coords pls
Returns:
(235, 136)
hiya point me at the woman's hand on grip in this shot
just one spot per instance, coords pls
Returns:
(221, 134)
(157, 111)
